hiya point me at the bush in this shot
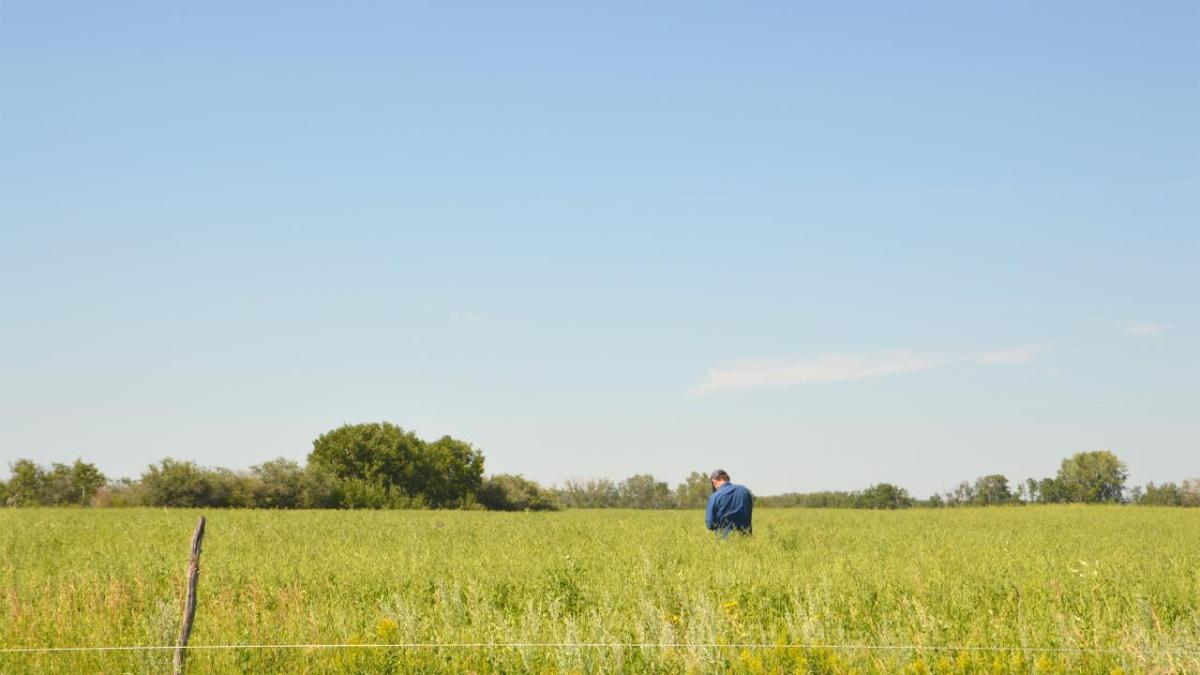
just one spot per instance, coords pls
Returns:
(61, 485)
(1167, 494)
(506, 492)
(280, 484)
(445, 472)
(175, 483)
(318, 488)
(884, 496)
(356, 493)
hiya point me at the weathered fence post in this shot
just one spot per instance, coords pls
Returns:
(189, 606)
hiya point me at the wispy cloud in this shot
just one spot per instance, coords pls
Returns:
(1146, 329)
(742, 374)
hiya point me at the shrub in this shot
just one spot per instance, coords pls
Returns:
(444, 472)
(175, 483)
(884, 496)
(356, 493)
(506, 492)
(280, 484)
(61, 485)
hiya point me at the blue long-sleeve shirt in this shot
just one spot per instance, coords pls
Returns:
(729, 508)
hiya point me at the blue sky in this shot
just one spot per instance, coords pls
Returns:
(818, 246)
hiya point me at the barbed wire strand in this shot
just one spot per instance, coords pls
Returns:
(608, 645)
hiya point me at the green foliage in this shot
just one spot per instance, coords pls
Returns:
(643, 491)
(1051, 491)
(593, 494)
(1086, 477)
(1092, 477)
(694, 491)
(62, 485)
(454, 470)
(880, 496)
(319, 488)
(507, 492)
(235, 489)
(280, 484)
(362, 466)
(1051, 578)
(175, 483)
(85, 481)
(992, 490)
(1032, 490)
(884, 496)
(277, 484)
(25, 485)
(57, 488)
(1168, 494)
(828, 499)
(379, 453)
(448, 473)
(356, 493)
(397, 462)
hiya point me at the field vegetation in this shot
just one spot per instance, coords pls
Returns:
(813, 591)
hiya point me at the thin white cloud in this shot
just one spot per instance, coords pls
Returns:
(743, 374)
(1146, 329)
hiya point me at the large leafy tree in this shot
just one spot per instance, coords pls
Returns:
(991, 490)
(377, 452)
(27, 485)
(85, 481)
(454, 471)
(443, 473)
(1050, 491)
(1092, 477)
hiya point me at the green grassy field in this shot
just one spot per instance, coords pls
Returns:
(1118, 578)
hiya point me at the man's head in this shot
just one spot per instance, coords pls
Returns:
(718, 478)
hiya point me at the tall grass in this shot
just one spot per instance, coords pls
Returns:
(1019, 578)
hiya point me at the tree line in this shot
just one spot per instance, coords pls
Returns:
(373, 466)
(1096, 477)
(382, 466)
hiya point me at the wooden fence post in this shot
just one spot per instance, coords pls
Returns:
(189, 607)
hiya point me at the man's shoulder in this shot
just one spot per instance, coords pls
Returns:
(741, 489)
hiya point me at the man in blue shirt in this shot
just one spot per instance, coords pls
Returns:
(729, 507)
